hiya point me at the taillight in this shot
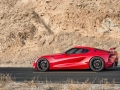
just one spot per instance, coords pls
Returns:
(109, 59)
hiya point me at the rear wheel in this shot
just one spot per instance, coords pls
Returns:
(96, 64)
(42, 64)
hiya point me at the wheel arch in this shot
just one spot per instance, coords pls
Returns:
(104, 57)
(96, 56)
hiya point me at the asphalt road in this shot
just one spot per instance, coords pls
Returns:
(23, 74)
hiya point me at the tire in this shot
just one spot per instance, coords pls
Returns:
(97, 64)
(43, 64)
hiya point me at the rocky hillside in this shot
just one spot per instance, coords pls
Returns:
(30, 28)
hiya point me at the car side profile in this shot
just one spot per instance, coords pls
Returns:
(79, 57)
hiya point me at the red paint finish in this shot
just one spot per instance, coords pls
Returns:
(76, 60)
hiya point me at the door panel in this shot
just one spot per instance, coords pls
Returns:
(69, 60)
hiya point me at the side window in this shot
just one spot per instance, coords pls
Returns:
(85, 51)
(71, 51)
(81, 51)
(76, 51)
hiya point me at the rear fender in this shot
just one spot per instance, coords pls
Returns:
(105, 58)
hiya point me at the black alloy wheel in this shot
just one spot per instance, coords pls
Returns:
(42, 64)
(96, 64)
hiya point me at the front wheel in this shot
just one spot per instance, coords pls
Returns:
(96, 64)
(42, 64)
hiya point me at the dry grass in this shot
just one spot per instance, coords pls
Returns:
(4, 79)
(6, 83)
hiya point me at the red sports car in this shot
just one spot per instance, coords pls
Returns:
(79, 57)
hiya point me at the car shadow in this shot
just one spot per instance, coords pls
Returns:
(112, 69)
(69, 70)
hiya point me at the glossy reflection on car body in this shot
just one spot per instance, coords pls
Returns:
(79, 57)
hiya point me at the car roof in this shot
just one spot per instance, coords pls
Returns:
(87, 47)
(91, 48)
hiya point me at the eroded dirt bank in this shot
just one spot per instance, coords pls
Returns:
(30, 28)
